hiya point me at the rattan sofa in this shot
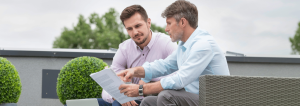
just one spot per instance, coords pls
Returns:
(217, 90)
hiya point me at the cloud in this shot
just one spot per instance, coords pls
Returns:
(251, 27)
(248, 26)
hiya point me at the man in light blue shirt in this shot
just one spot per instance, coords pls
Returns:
(197, 54)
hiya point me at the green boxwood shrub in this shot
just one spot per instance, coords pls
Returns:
(74, 81)
(10, 82)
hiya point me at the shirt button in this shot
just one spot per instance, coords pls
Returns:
(143, 54)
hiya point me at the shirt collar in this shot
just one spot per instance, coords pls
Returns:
(190, 39)
(150, 43)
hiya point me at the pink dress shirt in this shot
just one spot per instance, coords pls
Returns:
(130, 55)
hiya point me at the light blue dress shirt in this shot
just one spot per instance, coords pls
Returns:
(199, 55)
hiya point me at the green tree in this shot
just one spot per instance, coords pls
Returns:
(156, 28)
(108, 32)
(295, 41)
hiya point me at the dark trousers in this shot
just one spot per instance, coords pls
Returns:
(115, 103)
(172, 98)
(101, 102)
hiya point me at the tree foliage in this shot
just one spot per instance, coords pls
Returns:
(295, 41)
(108, 33)
(96, 32)
(156, 28)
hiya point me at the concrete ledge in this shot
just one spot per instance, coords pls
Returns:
(69, 54)
(105, 54)
(286, 60)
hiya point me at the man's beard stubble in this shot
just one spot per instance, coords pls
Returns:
(143, 41)
(177, 37)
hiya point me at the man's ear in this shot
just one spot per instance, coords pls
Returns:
(183, 22)
(149, 22)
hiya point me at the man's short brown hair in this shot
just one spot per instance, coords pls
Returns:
(182, 9)
(131, 10)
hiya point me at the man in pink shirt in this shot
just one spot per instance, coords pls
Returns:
(144, 46)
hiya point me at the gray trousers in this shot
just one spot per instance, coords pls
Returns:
(172, 98)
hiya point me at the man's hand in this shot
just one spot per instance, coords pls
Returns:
(126, 75)
(141, 82)
(130, 90)
(131, 103)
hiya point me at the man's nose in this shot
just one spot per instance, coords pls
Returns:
(167, 30)
(135, 31)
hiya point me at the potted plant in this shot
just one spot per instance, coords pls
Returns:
(10, 83)
(74, 81)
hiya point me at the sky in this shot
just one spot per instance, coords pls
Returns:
(251, 27)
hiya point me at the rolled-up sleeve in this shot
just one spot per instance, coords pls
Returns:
(160, 67)
(169, 49)
(196, 62)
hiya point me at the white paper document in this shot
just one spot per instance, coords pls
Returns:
(110, 82)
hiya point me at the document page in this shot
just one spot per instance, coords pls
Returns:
(110, 82)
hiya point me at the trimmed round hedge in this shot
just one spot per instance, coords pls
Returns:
(74, 81)
(10, 82)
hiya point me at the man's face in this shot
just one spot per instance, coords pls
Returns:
(137, 28)
(174, 29)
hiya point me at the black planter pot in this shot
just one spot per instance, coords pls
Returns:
(8, 104)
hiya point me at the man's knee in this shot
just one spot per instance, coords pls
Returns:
(165, 94)
(166, 97)
(149, 101)
(146, 99)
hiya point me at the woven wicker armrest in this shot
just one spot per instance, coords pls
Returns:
(217, 90)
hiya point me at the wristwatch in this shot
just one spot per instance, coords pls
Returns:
(141, 90)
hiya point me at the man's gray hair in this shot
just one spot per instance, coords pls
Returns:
(182, 9)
